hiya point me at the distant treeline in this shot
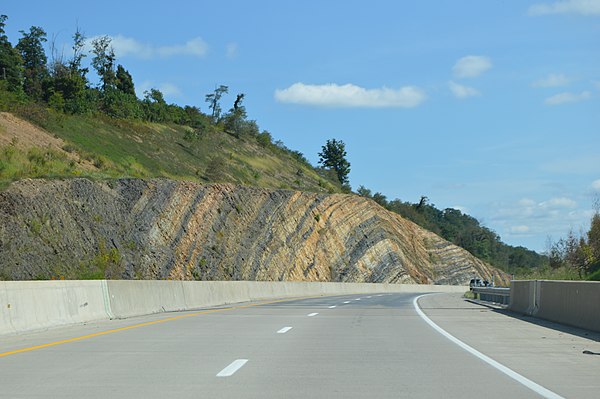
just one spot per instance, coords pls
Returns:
(462, 230)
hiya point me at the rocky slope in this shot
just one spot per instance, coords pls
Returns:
(160, 229)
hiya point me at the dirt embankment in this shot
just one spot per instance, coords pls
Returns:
(160, 229)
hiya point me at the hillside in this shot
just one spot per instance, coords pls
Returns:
(157, 229)
(103, 147)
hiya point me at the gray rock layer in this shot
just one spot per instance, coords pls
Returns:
(164, 229)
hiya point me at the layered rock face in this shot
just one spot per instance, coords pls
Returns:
(161, 229)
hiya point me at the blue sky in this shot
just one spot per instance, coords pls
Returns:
(491, 107)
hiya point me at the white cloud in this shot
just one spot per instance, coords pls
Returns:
(566, 97)
(561, 202)
(552, 80)
(167, 89)
(232, 50)
(526, 202)
(596, 185)
(127, 46)
(528, 217)
(521, 229)
(583, 7)
(349, 95)
(461, 91)
(471, 66)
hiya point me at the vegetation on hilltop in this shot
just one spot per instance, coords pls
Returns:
(464, 231)
(123, 136)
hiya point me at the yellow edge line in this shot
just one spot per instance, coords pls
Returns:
(149, 323)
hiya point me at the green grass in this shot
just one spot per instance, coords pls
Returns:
(129, 148)
(36, 162)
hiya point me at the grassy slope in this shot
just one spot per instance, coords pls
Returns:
(125, 148)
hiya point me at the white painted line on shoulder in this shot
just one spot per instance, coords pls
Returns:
(232, 368)
(284, 330)
(546, 393)
(332, 307)
(347, 302)
(312, 314)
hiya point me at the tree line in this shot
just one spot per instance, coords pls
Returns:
(578, 252)
(62, 83)
(462, 230)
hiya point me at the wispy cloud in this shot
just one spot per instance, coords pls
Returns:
(552, 80)
(349, 95)
(582, 7)
(596, 185)
(471, 66)
(527, 217)
(461, 91)
(167, 89)
(560, 202)
(520, 229)
(567, 97)
(127, 46)
(232, 50)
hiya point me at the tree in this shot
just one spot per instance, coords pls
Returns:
(104, 61)
(124, 81)
(213, 102)
(594, 238)
(67, 84)
(32, 52)
(333, 156)
(156, 106)
(364, 192)
(10, 60)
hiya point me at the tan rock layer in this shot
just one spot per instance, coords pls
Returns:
(159, 229)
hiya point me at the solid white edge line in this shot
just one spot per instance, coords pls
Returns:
(312, 314)
(546, 393)
(284, 330)
(232, 368)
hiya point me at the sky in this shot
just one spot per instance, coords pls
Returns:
(491, 107)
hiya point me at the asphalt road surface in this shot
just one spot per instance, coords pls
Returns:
(362, 346)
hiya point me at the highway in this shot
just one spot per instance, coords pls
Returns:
(360, 346)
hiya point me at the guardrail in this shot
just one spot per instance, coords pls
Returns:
(492, 294)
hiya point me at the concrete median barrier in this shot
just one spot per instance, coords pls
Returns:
(575, 303)
(35, 305)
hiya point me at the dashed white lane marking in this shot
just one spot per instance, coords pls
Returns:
(312, 314)
(546, 393)
(379, 295)
(347, 302)
(369, 297)
(357, 299)
(331, 307)
(284, 330)
(232, 368)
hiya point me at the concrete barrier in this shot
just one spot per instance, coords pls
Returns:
(35, 305)
(575, 303)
